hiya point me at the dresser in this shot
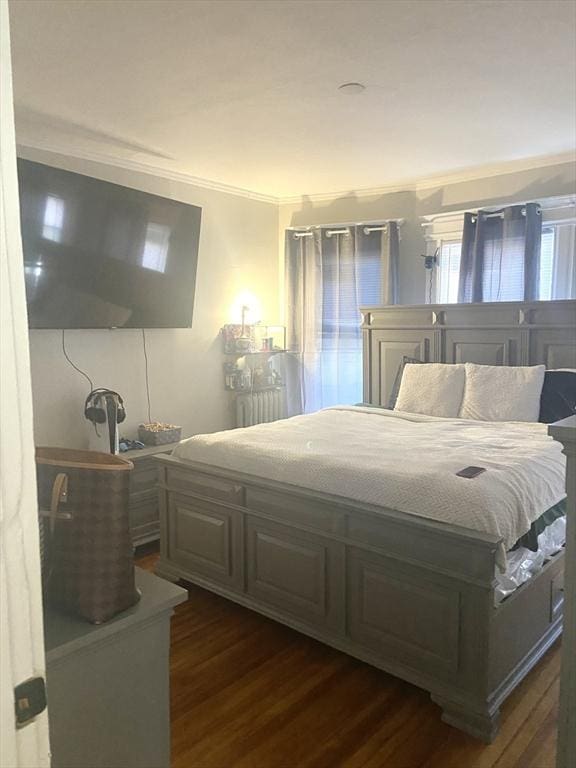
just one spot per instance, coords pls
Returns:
(144, 511)
(108, 684)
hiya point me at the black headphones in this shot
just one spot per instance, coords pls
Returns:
(95, 412)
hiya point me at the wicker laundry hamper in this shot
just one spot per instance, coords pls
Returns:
(87, 555)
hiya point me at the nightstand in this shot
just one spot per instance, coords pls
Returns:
(144, 509)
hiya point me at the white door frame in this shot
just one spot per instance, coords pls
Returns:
(21, 630)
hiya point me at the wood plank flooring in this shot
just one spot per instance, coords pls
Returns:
(250, 693)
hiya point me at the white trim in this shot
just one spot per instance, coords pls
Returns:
(21, 623)
(148, 168)
(431, 182)
(309, 227)
(556, 210)
(546, 203)
(408, 185)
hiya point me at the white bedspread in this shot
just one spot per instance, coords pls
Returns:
(404, 461)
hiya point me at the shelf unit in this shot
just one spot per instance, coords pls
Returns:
(248, 374)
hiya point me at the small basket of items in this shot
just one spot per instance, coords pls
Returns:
(157, 433)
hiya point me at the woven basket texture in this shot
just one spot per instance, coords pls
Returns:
(92, 565)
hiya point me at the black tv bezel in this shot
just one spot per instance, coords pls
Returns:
(195, 244)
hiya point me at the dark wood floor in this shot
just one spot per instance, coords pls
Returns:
(250, 693)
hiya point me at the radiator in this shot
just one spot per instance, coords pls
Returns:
(260, 407)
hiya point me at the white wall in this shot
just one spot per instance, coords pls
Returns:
(238, 252)
(241, 249)
(504, 189)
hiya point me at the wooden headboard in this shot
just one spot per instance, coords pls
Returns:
(501, 333)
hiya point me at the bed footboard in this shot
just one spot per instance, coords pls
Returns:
(408, 595)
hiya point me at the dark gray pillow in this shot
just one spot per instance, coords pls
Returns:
(558, 400)
(398, 379)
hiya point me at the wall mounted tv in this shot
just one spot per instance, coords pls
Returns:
(98, 255)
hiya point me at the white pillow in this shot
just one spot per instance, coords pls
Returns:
(502, 392)
(435, 389)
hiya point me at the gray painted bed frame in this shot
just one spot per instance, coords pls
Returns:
(406, 594)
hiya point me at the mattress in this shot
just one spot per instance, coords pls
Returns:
(404, 461)
(523, 563)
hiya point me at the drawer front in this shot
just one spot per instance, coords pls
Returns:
(297, 573)
(313, 514)
(205, 539)
(144, 516)
(403, 614)
(144, 476)
(144, 534)
(143, 509)
(204, 485)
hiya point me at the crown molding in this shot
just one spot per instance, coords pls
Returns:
(433, 182)
(147, 168)
(411, 185)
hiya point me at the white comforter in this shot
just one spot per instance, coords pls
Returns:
(405, 462)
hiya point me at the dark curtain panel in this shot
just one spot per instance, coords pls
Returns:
(500, 258)
(329, 276)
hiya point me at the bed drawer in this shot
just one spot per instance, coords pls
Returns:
(296, 572)
(393, 612)
(312, 514)
(205, 538)
(206, 485)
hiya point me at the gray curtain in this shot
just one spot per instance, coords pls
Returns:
(385, 246)
(328, 278)
(500, 258)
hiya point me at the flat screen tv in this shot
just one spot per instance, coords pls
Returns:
(98, 255)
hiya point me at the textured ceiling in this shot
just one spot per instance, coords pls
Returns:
(244, 92)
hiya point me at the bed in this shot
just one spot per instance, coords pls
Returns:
(410, 592)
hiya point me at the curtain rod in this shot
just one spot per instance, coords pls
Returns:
(368, 226)
(332, 232)
(448, 214)
(497, 214)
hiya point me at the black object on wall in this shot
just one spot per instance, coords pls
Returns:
(99, 255)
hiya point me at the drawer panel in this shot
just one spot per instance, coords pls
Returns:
(433, 549)
(205, 538)
(144, 509)
(145, 533)
(553, 347)
(482, 346)
(205, 485)
(297, 573)
(405, 614)
(314, 514)
(144, 476)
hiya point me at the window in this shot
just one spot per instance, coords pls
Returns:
(346, 286)
(557, 268)
(53, 218)
(156, 247)
(330, 275)
(546, 264)
(447, 273)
